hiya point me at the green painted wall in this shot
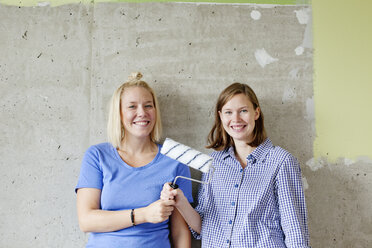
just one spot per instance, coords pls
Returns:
(61, 2)
(342, 78)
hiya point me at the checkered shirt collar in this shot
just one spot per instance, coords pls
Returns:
(258, 154)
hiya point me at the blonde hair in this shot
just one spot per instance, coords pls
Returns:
(218, 138)
(115, 128)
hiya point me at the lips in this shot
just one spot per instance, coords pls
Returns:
(141, 123)
(238, 127)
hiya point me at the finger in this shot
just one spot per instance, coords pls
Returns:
(166, 186)
(168, 195)
(164, 196)
(169, 209)
(169, 202)
(174, 192)
(167, 213)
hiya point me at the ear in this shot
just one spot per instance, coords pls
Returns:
(220, 115)
(257, 113)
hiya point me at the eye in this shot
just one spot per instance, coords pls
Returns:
(131, 106)
(243, 111)
(148, 106)
(227, 112)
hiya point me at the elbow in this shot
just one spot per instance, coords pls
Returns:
(83, 227)
(197, 230)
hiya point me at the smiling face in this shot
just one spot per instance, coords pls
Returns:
(138, 113)
(238, 118)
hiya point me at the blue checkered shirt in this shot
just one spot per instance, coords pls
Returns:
(262, 205)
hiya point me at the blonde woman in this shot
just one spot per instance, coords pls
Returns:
(120, 181)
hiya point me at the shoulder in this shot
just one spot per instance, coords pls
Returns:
(219, 157)
(279, 152)
(100, 148)
(281, 157)
(219, 154)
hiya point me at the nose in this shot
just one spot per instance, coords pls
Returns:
(235, 116)
(141, 111)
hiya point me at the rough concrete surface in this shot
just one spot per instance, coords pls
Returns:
(60, 65)
(339, 205)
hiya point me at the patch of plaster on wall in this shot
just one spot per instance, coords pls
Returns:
(304, 183)
(255, 14)
(316, 163)
(303, 15)
(43, 4)
(294, 73)
(364, 159)
(299, 50)
(348, 161)
(263, 58)
(289, 94)
(310, 112)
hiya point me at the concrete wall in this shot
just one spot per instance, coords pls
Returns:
(60, 65)
(340, 181)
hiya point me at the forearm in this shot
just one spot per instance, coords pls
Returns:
(180, 233)
(97, 220)
(190, 215)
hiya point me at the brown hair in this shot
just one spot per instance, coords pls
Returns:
(218, 138)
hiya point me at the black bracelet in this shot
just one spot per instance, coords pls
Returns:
(132, 217)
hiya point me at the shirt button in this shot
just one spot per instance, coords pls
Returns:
(236, 185)
(228, 241)
(230, 222)
(233, 204)
(241, 170)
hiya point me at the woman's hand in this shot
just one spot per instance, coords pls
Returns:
(158, 211)
(168, 193)
(191, 217)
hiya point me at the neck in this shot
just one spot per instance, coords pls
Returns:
(133, 145)
(242, 150)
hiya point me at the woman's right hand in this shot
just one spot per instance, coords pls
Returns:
(168, 193)
(191, 217)
(159, 210)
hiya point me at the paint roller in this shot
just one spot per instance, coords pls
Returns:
(187, 156)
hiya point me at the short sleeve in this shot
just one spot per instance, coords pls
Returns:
(90, 172)
(183, 184)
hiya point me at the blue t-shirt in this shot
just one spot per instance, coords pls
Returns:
(124, 187)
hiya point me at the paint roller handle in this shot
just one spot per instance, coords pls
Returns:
(173, 185)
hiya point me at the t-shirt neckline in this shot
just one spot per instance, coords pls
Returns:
(136, 168)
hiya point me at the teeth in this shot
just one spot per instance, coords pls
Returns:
(142, 123)
(237, 127)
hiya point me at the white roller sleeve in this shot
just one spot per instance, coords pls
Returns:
(186, 155)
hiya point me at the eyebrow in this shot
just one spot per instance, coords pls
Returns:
(238, 108)
(150, 101)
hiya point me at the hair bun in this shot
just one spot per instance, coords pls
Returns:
(135, 76)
